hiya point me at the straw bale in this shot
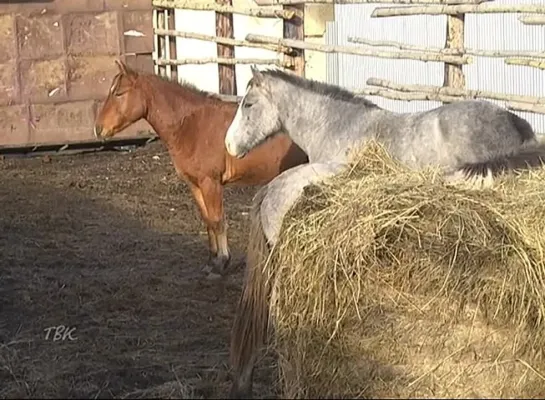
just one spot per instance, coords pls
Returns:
(387, 282)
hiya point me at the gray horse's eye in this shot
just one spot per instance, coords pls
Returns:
(247, 104)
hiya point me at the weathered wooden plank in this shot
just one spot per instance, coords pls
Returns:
(224, 29)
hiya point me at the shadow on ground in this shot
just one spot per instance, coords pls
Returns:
(110, 246)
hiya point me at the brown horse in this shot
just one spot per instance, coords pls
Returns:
(193, 124)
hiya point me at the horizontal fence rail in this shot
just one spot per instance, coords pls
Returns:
(454, 92)
(454, 55)
(327, 48)
(288, 2)
(458, 9)
(251, 12)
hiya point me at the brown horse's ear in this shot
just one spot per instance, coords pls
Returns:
(124, 69)
(121, 66)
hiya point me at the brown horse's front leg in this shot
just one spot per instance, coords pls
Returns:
(212, 192)
(212, 241)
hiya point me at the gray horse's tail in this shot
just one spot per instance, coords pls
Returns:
(527, 157)
(252, 316)
(523, 127)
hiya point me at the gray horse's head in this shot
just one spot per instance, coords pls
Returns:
(257, 117)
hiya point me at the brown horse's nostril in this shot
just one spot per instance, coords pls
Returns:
(98, 130)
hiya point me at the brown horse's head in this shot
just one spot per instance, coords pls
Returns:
(124, 105)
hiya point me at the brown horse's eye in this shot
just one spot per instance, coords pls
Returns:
(120, 93)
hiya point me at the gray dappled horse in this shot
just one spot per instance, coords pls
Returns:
(466, 139)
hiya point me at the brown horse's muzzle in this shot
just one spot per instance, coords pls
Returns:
(101, 133)
(97, 130)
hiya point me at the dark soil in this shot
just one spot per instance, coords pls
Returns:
(110, 245)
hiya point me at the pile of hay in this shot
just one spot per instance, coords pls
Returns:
(389, 283)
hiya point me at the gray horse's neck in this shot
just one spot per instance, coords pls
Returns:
(325, 127)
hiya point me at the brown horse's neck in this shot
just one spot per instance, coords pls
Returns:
(169, 103)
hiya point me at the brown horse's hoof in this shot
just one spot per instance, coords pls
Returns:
(207, 268)
(215, 268)
(220, 264)
(212, 277)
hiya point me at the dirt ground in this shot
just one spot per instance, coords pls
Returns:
(110, 245)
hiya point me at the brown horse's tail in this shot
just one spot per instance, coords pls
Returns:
(531, 155)
(252, 316)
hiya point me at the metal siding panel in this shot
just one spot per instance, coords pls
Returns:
(484, 31)
(505, 32)
(353, 71)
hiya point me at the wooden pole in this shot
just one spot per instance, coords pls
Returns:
(438, 2)
(167, 43)
(224, 28)
(533, 108)
(540, 63)
(454, 74)
(294, 29)
(413, 96)
(155, 54)
(485, 8)
(532, 19)
(226, 61)
(466, 51)
(232, 42)
(252, 12)
(358, 50)
(161, 43)
(171, 24)
(454, 92)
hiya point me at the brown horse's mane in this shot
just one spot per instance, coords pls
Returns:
(188, 86)
(326, 89)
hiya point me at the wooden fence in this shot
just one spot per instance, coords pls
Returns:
(292, 46)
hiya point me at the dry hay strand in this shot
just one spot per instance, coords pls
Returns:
(390, 283)
(167, 390)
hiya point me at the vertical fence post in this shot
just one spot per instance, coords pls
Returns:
(166, 43)
(295, 29)
(170, 23)
(454, 74)
(164, 47)
(227, 73)
(155, 54)
(161, 43)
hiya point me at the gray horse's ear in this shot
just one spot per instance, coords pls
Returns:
(257, 75)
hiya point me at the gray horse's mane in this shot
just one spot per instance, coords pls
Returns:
(326, 89)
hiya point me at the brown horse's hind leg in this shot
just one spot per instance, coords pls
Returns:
(212, 194)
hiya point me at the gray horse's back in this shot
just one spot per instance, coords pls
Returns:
(472, 131)
(460, 121)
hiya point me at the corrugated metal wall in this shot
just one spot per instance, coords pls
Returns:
(483, 31)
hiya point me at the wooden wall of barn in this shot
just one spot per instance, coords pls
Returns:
(57, 63)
